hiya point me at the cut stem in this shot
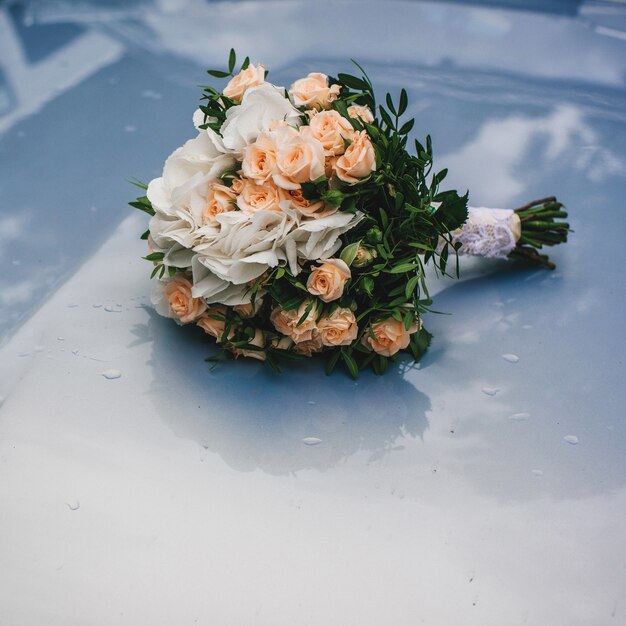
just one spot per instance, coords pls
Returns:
(540, 228)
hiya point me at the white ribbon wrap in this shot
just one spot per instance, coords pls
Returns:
(491, 233)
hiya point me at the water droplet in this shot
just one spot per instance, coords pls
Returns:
(60, 338)
(519, 417)
(72, 306)
(113, 308)
(39, 348)
(537, 472)
(311, 441)
(511, 358)
(97, 305)
(129, 128)
(311, 402)
(73, 506)
(573, 439)
(75, 352)
(490, 391)
(112, 374)
(527, 326)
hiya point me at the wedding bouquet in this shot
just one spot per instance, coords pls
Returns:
(296, 222)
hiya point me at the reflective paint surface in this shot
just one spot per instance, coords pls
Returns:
(487, 486)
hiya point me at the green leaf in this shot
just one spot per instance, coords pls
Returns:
(305, 314)
(353, 368)
(154, 256)
(232, 59)
(453, 211)
(145, 235)
(437, 178)
(443, 258)
(331, 363)
(245, 64)
(218, 73)
(411, 284)
(409, 318)
(419, 343)
(404, 101)
(402, 268)
(406, 127)
(353, 82)
(143, 204)
(348, 254)
(386, 117)
(137, 183)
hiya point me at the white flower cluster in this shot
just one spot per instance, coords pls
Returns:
(231, 235)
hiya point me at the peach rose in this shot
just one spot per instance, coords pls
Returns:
(313, 92)
(390, 336)
(361, 112)
(237, 185)
(259, 341)
(286, 322)
(214, 321)
(250, 77)
(259, 159)
(308, 208)
(329, 166)
(329, 128)
(310, 346)
(265, 197)
(358, 161)
(182, 304)
(219, 199)
(281, 343)
(339, 328)
(299, 159)
(250, 309)
(328, 280)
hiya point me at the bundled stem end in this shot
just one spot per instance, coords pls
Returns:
(542, 225)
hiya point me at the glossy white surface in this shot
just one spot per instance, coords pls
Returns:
(478, 489)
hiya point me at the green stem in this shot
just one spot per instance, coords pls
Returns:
(540, 228)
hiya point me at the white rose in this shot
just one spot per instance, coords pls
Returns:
(179, 195)
(198, 155)
(260, 109)
(179, 213)
(214, 289)
(245, 246)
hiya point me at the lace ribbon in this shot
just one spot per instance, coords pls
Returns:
(491, 233)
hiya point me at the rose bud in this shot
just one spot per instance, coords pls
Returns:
(364, 256)
(374, 235)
